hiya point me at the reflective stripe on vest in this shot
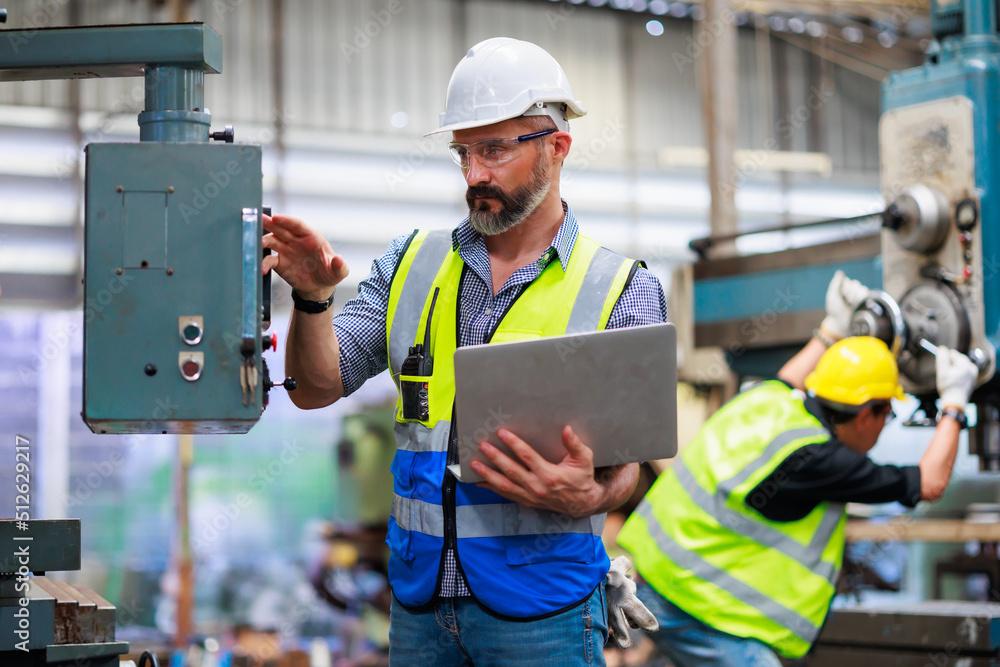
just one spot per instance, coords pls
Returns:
(810, 556)
(495, 537)
(594, 292)
(780, 442)
(415, 437)
(420, 277)
(489, 520)
(798, 624)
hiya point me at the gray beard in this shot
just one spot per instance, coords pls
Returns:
(515, 208)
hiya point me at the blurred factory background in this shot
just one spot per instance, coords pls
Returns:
(339, 93)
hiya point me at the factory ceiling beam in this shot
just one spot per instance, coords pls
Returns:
(866, 8)
(866, 62)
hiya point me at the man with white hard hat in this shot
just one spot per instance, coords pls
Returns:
(511, 570)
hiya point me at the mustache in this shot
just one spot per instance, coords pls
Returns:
(486, 192)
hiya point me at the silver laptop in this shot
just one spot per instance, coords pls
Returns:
(617, 389)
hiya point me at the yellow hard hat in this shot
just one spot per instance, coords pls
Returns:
(854, 371)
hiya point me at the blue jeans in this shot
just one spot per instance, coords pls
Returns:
(690, 643)
(458, 632)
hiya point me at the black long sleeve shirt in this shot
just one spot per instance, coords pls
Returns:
(830, 472)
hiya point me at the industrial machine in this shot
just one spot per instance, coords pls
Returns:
(934, 268)
(965, 634)
(940, 172)
(44, 622)
(175, 304)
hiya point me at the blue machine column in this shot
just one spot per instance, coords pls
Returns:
(175, 106)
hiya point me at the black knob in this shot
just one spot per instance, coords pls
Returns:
(150, 370)
(227, 135)
(966, 215)
(289, 384)
(3, 15)
(892, 217)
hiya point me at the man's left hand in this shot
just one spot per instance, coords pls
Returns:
(568, 487)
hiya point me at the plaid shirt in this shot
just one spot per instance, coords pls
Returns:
(361, 325)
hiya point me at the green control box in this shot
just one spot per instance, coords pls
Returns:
(174, 298)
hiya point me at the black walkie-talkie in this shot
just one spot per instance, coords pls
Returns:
(419, 363)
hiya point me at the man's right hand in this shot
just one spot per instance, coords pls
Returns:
(956, 377)
(302, 257)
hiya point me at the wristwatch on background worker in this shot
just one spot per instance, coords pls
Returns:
(955, 413)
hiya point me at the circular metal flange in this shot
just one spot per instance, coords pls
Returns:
(878, 315)
(932, 311)
(923, 218)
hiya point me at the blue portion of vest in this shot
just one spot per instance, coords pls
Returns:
(521, 576)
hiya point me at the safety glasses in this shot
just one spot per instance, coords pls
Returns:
(491, 152)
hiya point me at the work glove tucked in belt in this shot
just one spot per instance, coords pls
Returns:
(624, 608)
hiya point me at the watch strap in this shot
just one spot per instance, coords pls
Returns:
(956, 414)
(307, 306)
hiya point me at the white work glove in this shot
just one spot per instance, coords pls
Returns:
(842, 297)
(624, 608)
(956, 377)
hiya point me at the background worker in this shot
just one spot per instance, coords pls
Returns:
(740, 543)
(493, 574)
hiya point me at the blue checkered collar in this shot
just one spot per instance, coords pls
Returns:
(467, 240)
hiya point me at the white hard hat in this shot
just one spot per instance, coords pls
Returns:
(503, 78)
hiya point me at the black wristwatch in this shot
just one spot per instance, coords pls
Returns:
(956, 414)
(310, 306)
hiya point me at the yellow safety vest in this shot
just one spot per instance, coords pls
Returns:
(698, 543)
(518, 561)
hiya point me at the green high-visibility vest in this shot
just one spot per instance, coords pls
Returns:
(699, 543)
